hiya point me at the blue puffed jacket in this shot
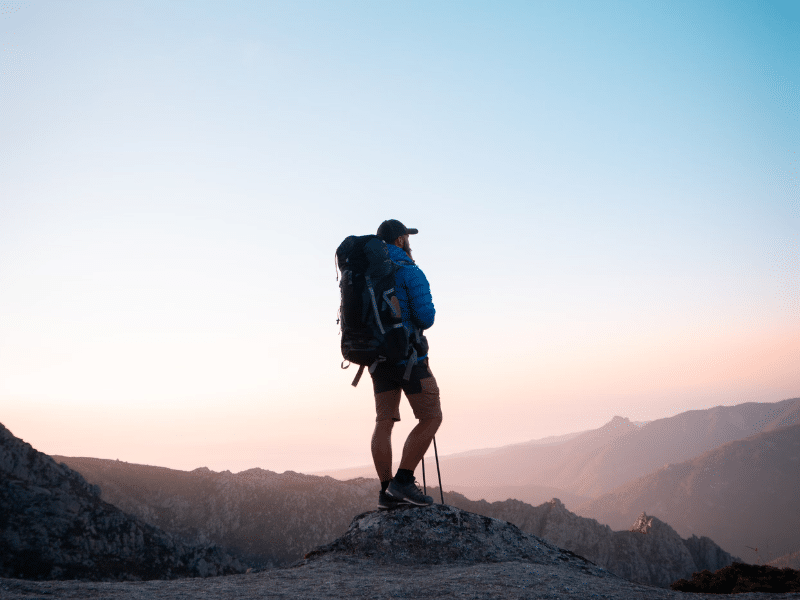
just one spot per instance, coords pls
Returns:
(413, 291)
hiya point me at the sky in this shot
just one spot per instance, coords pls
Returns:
(606, 194)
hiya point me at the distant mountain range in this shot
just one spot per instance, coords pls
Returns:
(584, 466)
(54, 525)
(728, 474)
(265, 518)
(271, 519)
(744, 494)
(660, 467)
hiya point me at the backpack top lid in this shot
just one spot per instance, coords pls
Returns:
(366, 254)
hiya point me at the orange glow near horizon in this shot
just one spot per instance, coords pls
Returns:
(329, 427)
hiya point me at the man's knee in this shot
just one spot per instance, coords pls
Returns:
(433, 422)
(384, 425)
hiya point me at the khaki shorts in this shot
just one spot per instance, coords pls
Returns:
(420, 389)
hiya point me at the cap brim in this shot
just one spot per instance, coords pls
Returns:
(412, 231)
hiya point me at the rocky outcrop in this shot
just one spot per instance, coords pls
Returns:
(53, 525)
(739, 578)
(442, 534)
(651, 553)
(706, 554)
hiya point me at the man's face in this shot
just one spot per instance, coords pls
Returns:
(403, 243)
(406, 244)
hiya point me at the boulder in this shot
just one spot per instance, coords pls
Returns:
(441, 534)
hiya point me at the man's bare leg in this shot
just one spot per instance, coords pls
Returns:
(417, 443)
(382, 449)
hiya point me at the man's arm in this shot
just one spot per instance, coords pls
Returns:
(420, 301)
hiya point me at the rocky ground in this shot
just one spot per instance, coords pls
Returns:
(333, 577)
(354, 578)
(436, 552)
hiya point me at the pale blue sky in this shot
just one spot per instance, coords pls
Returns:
(606, 194)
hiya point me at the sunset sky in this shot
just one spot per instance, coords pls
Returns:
(607, 197)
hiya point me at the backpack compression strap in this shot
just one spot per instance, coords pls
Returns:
(412, 360)
(372, 368)
(358, 376)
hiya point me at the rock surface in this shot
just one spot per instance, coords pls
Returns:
(53, 525)
(442, 534)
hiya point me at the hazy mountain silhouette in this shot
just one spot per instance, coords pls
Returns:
(530, 494)
(267, 518)
(745, 495)
(740, 493)
(368, 471)
(592, 463)
(53, 525)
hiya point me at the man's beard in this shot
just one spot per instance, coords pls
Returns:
(407, 248)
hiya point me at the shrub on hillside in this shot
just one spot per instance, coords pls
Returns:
(739, 578)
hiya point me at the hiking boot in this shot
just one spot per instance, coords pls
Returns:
(387, 502)
(410, 492)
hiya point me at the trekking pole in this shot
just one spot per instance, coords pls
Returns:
(436, 453)
(424, 487)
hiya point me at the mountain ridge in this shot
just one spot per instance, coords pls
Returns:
(591, 463)
(53, 524)
(743, 494)
(271, 520)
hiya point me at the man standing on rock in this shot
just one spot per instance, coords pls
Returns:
(416, 304)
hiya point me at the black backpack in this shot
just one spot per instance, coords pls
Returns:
(369, 314)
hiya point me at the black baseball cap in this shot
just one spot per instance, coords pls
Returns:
(392, 229)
